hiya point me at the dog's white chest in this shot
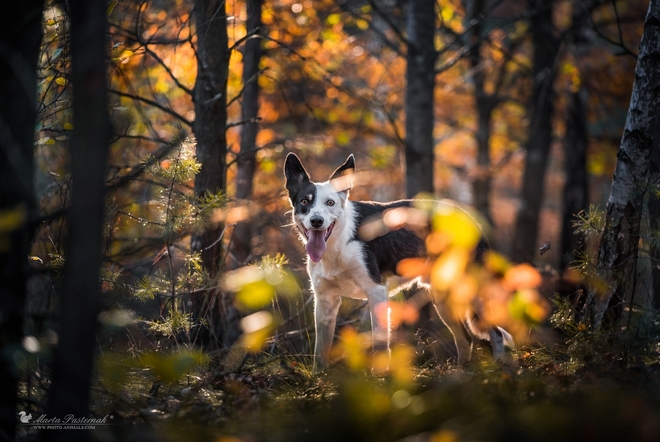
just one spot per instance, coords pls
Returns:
(341, 271)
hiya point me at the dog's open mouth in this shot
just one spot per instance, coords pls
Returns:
(316, 239)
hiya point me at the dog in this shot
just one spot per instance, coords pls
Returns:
(341, 263)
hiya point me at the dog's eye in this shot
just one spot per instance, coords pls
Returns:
(330, 202)
(304, 202)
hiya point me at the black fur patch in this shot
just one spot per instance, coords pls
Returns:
(302, 192)
(382, 254)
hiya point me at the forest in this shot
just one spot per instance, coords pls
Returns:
(153, 282)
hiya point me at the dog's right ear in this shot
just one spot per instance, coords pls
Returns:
(295, 174)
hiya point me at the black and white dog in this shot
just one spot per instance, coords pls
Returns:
(342, 264)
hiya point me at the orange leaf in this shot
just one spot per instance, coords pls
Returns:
(402, 312)
(522, 276)
(414, 267)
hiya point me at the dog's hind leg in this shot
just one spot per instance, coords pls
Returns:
(326, 308)
(463, 346)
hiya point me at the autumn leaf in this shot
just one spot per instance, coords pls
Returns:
(522, 276)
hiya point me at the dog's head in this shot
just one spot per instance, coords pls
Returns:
(317, 207)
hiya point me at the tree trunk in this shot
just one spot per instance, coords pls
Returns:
(20, 38)
(420, 76)
(210, 97)
(539, 137)
(619, 243)
(69, 393)
(250, 110)
(654, 221)
(576, 194)
(484, 104)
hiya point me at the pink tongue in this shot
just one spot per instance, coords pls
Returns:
(316, 244)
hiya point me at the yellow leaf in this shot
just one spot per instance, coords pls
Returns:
(50, 22)
(333, 19)
(255, 294)
(496, 262)
(68, 126)
(457, 224)
(449, 268)
(12, 219)
(257, 328)
(362, 24)
(111, 6)
(61, 81)
(354, 348)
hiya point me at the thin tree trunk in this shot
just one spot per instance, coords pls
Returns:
(250, 110)
(576, 194)
(420, 76)
(20, 38)
(210, 97)
(69, 393)
(539, 137)
(619, 244)
(484, 104)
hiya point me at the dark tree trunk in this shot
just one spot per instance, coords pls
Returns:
(250, 110)
(539, 137)
(617, 254)
(69, 393)
(576, 194)
(210, 96)
(20, 38)
(484, 104)
(420, 76)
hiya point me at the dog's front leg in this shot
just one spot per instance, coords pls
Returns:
(326, 307)
(380, 317)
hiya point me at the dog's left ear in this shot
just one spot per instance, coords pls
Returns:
(342, 178)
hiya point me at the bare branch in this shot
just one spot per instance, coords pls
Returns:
(154, 104)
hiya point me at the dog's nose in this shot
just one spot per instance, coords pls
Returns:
(316, 221)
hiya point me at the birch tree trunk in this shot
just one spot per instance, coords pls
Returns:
(619, 244)
(420, 76)
(654, 224)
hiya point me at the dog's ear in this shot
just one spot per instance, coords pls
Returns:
(342, 178)
(295, 174)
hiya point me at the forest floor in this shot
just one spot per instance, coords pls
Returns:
(541, 394)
